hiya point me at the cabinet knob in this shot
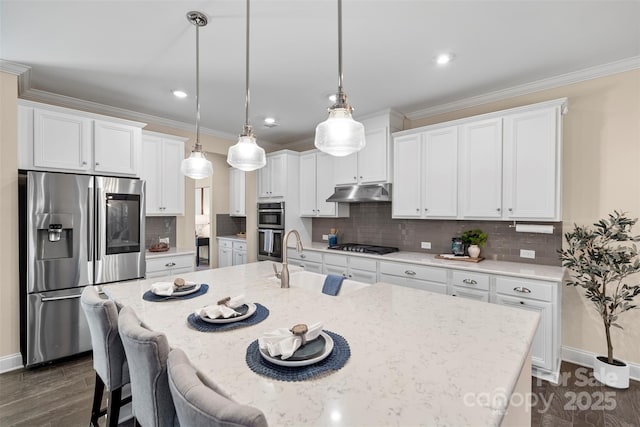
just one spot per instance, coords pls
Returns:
(522, 290)
(426, 210)
(84, 163)
(97, 163)
(355, 177)
(498, 210)
(360, 176)
(303, 256)
(417, 209)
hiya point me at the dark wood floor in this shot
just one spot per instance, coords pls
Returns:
(60, 395)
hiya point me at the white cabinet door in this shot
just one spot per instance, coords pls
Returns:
(172, 177)
(237, 190)
(362, 276)
(239, 257)
(278, 175)
(308, 184)
(372, 159)
(150, 171)
(440, 173)
(264, 180)
(336, 270)
(531, 170)
(346, 169)
(61, 141)
(116, 148)
(542, 347)
(225, 257)
(407, 168)
(480, 164)
(324, 184)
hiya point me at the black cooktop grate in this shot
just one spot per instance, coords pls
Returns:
(364, 249)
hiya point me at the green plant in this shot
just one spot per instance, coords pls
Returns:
(600, 263)
(474, 237)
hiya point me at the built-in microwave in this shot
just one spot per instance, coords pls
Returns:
(271, 215)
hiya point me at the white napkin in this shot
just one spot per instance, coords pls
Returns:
(282, 342)
(216, 311)
(167, 288)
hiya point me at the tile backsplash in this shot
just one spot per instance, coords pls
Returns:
(372, 223)
(157, 227)
(227, 225)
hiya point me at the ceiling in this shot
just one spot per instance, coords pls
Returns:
(132, 54)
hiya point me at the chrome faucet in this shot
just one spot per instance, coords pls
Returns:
(284, 274)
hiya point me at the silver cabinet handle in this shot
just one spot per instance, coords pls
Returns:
(510, 209)
(522, 289)
(360, 176)
(410, 272)
(417, 209)
(97, 163)
(498, 210)
(303, 256)
(84, 163)
(470, 282)
(60, 298)
(426, 210)
(350, 276)
(170, 264)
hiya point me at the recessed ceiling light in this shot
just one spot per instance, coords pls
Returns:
(179, 94)
(270, 122)
(444, 58)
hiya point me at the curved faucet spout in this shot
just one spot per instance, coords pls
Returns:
(284, 275)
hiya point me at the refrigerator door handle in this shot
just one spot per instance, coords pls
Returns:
(98, 232)
(90, 210)
(43, 299)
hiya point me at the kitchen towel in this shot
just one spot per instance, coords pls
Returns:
(268, 241)
(216, 311)
(282, 342)
(332, 284)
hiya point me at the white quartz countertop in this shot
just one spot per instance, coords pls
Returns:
(233, 237)
(417, 358)
(518, 269)
(171, 252)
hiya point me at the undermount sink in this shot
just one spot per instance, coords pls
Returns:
(314, 282)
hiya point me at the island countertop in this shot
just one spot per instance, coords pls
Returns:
(417, 358)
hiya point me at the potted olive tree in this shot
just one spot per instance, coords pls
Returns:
(475, 239)
(600, 260)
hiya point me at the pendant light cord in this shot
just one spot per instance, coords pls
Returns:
(198, 147)
(339, 46)
(246, 102)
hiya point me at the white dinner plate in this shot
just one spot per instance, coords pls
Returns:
(328, 348)
(180, 293)
(251, 308)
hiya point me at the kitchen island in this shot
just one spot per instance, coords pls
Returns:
(417, 358)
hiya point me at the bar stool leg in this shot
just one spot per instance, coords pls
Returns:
(97, 401)
(113, 407)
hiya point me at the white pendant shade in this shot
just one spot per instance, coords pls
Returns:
(340, 135)
(196, 166)
(246, 155)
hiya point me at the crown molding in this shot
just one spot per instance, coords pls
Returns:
(604, 70)
(22, 71)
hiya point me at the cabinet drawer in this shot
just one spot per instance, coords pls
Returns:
(470, 280)
(239, 246)
(365, 264)
(223, 243)
(169, 263)
(524, 288)
(463, 292)
(414, 271)
(413, 283)
(305, 255)
(337, 260)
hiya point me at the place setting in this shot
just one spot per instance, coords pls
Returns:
(298, 353)
(178, 289)
(228, 313)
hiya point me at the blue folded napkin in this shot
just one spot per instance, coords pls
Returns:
(332, 284)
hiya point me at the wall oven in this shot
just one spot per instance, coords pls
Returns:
(270, 231)
(271, 215)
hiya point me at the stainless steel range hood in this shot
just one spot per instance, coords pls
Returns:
(362, 193)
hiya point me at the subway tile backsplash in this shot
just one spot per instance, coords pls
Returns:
(227, 225)
(157, 227)
(371, 223)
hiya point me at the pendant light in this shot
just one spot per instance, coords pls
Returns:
(246, 155)
(340, 135)
(197, 166)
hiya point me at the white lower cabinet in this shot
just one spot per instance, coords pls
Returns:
(354, 268)
(170, 265)
(239, 250)
(309, 260)
(225, 253)
(416, 276)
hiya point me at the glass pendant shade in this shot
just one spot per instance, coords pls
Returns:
(340, 135)
(246, 155)
(196, 166)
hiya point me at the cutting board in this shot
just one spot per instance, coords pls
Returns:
(460, 259)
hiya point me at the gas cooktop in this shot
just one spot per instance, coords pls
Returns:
(364, 249)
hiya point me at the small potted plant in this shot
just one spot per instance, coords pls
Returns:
(600, 263)
(475, 239)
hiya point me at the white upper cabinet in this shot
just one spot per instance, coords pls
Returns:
(163, 155)
(372, 164)
(65, 140)
(504, 165)
(272, 178)
(317, 182)
(480, 164)
(237, 190)
(532, 165)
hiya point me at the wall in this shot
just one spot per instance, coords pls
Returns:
(9, 285)
(371, 223)
(600, 167)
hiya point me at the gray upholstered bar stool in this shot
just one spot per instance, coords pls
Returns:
(109, 360)
(200, 402)
(147, 353)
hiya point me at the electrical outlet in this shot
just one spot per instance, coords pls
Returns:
(425, 245)
(525, 253)
(325, 237)
(164, 240)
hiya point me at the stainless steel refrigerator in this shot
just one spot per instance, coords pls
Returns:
(75, 231)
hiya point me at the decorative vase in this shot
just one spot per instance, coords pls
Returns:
(474, 251)
(616, 375)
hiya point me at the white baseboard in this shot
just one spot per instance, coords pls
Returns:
(585, 358)
(10, 362)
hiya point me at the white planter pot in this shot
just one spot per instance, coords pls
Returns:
(616, 376)
(474, 251)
